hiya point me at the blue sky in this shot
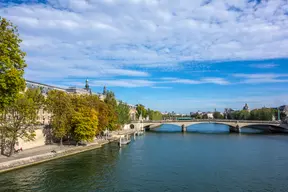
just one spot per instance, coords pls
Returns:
(169, 55)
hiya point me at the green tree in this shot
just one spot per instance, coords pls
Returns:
(156, 115)
(150, 114)
(264, 114)
(123, 113)
(12, 66)
(21, 117)
(243, 115)
(110, 99)
(217, 115)
(60, 105)
(12, 63)
(84, 124)
(140, 110)
(283, 116)
(111, 102)
(205, 116)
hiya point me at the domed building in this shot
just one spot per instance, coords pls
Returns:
(246, 107)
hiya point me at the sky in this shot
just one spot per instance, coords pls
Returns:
(169, 55)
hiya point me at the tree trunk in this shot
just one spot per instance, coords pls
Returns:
(2, 143)
(12, 147)
(61, 141)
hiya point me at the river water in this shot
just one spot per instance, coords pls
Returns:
(206, 158)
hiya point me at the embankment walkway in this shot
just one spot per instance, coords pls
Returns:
(44, 153)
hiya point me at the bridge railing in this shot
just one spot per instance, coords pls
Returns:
(212, 120)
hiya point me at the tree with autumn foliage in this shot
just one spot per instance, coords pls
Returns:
(84, 124)
(59, 104)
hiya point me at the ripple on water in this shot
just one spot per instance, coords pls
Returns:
(161, 161)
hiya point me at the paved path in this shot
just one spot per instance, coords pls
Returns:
(42, 150)
(48, 148)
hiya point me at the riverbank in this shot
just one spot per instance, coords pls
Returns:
(58, 152)
(50, 152)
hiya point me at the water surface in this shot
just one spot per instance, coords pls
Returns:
(166, 160)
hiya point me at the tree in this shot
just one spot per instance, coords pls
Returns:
(217, 115)
(243, 115)
(12, 66)
(102, 110)
(21, 117)
(110, 99)
(123, 113)
(60, 105)
(112, 113)
(140, 110)
(156, 115)
(150, 114)
(283, 116)
(264, 114)
(84, 124)
(12, 63)
(205, 116)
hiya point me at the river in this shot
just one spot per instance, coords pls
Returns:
(206, 159)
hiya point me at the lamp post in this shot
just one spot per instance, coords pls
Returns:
(279, 118)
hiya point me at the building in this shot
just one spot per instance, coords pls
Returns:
(246, 107)
(44, 116)
(210, 115)
(43, 87)
(132, 112)
(284, 109)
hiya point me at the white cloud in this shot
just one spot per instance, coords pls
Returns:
(264, 65)
(209, 104)
(155, 84)
(260, 75)
(130, 83)
(262, 78)
(120, 35)
(208, 80)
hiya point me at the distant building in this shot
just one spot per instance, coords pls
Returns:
(227, 112)
(77, 90)
(43, 87)
(210, 115)
(284, 109)
(132, 112)
(44, 116)
(246, 107)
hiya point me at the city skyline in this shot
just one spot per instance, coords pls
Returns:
(180, 57)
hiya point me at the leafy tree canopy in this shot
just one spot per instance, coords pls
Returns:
(12, 63)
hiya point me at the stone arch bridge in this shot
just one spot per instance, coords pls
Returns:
(234, 125)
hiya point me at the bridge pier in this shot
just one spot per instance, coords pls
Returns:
(184, 129)
(234, 129)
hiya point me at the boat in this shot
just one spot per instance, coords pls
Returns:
(124, 140)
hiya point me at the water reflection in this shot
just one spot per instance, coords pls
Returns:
(53, 175)
(159, 161)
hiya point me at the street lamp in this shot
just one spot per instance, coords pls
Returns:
(279, 118)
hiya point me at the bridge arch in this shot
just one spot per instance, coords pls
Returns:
(229, 124)
(187, 124)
